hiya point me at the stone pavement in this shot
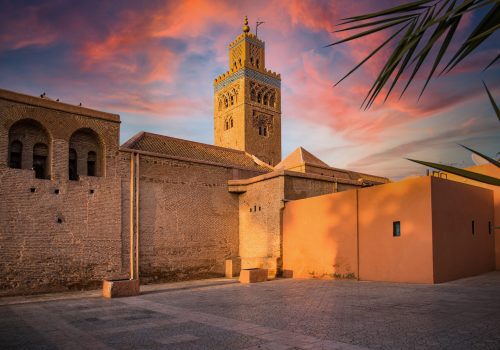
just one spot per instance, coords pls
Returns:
(282, 314)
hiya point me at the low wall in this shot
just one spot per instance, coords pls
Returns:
(319, 236)
(459, 249)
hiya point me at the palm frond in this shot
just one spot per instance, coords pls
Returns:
(460, 172)
(436, 21)
(489, 159)
(493, 103)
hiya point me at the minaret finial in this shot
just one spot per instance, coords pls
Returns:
(246, 28)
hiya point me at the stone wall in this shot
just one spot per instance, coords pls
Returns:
(57, 234)
(188, 220)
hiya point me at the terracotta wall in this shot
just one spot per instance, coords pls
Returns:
(457, 251)
(490, 170)
(407, 258)
(319, 236)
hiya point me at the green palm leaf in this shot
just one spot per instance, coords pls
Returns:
(489, 159)
(493, 103)
(460, 172)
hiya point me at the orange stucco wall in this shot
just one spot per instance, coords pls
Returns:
(457, 252)
(407, 258)
(490, 170)
(319, 235)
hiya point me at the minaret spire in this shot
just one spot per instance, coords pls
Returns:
(246, 28)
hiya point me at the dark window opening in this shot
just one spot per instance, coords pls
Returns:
(254, 208)
(73, 168)
(265, 131)
(32, 189)
(251, 61)
(59, 220)
(259, 97)
(396, 229)
(16, 155)
(40, 152)
(232, 100)
(473, 227)
(56, 191)
(231, 122)
(257, 63)
(91, 161)
(265, 99)
(91, 191)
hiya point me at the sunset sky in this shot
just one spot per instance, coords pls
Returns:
(153, 62)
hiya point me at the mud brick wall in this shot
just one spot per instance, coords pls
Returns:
(188, 220)
(57, 234)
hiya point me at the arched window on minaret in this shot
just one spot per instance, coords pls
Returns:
(259, 97)
(251, 61)
(265, 99)
(257, 63)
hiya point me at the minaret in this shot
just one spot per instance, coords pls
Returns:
(247, 101)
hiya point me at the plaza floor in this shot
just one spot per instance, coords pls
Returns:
(280, 314)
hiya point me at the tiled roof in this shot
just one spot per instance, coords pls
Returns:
(301, 157)
(298, 157)
(171, 146)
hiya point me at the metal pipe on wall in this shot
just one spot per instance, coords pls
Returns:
(131, 214)
(137, 186)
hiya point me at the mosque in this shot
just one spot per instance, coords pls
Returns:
(77, 207)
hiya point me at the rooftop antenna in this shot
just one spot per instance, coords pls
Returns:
(257, 24)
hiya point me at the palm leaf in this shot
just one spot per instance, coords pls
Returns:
(371, 54)
(413, 6)
(493, 103)
(442, 17)
(491, 160)
(492, 62)
(460, 172)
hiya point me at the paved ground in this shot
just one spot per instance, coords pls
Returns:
(283, 314)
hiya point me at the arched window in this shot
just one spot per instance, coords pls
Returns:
(265, 99)
(73, 165)
(232, 100)
(16, 155)
(234, 64)
(257, 63)
(29, 147)
(40, 154)
(231, 122)
(239, 61)
(252, 95)
(226, 102)
(259, 97)
(91, 160)
(85, 155)
(271, 100)
(251, 61)
(226, 125)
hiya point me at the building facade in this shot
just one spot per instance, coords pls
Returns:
(76, 207)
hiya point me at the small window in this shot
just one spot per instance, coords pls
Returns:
(259, 97)
(72, 165)
(251, 61)
(396, 228)
(265, 131)
(40, 153)
(231, 123)
(239, 61)
(257, 63)
(16, 155)
(232, 100)
(473, 227)
(91, 160)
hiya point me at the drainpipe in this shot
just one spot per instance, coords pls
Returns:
(131, 215)
(137, 185)
(357, 229)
